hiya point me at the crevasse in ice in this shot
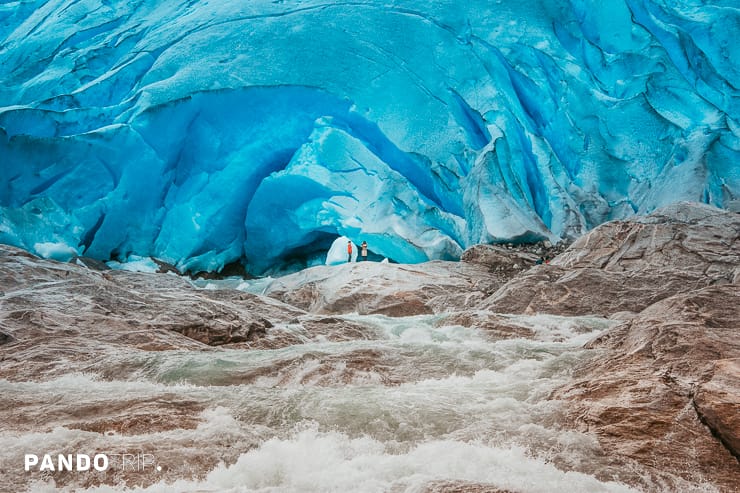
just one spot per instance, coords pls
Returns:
(207, 132)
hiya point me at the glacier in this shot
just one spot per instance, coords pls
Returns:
(210, 132)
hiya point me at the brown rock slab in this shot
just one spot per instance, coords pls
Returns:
(495, 326)
(718, 403)
(496, 256)
(662, 389)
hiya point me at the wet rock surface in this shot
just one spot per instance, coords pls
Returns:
(717, 403)
(504, 261)
(495, 326)
(311, 328)
(395, 290)
(662, 388)
(400, 290)
(133, 416)
(462, 487)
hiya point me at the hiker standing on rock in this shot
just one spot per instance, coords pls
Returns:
(363, 251)
(349, 251)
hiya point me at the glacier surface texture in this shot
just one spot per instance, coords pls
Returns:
(210, 132)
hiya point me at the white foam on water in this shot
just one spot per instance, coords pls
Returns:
(215, 423)
(254, 286)
(311, 460)
(75, 386)
(574, 331)
(420, 329)
(418, 349)
(481, 414)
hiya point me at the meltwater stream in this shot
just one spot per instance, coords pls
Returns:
(410, 406)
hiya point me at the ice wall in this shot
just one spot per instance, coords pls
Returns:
(209, 132)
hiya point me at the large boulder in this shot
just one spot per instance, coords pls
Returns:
(384, 288)
(626, 266)
(662, 388)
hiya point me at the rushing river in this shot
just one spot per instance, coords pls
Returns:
(413, 406)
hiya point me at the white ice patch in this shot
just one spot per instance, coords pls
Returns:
(338, 254)
(56, 251)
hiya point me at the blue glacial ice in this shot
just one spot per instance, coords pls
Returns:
(205, 133)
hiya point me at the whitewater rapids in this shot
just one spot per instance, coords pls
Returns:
(429, 404)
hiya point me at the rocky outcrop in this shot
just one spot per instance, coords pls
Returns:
(311, 328)
(5, 338)
(511, 256)
(494, 325)
(399, 290)
(90, 263)
(626, 266)
(498, 258)
(663, 388)
(57, 316)
(381, 288)
(462, 487)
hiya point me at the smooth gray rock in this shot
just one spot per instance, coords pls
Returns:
(381, 288)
